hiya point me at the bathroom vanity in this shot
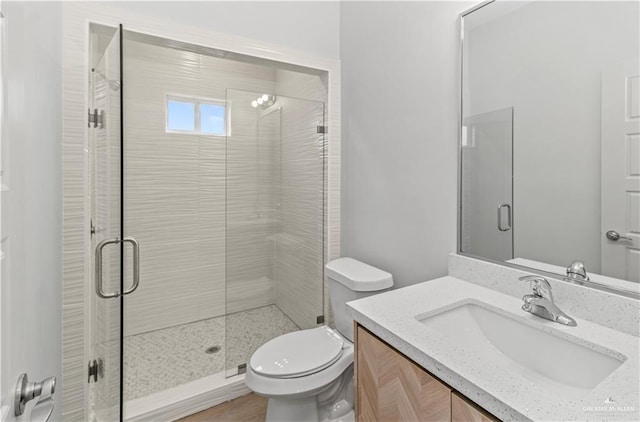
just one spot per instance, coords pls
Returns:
(450, 349)
(389, 386)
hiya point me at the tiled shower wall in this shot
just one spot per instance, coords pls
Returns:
(299, 257)
(250, 205)
(175, 194)
(299, 254)
(175, 188)
(105, 216)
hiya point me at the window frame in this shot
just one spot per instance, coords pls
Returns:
(197, 102)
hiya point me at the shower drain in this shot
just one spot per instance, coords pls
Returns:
(211, 350)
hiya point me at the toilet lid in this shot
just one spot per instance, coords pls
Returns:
(297, 354)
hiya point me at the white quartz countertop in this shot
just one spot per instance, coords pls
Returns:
(506, 394)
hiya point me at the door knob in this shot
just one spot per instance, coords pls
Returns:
(615, 236)
(27, 391)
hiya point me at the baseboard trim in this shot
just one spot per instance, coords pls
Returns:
(187, 399)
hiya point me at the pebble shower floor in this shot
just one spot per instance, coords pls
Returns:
(162, 359)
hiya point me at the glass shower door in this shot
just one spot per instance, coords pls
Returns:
(274, 220)
(105, 152)
(487, 185)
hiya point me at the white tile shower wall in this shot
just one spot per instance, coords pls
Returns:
(175, 191)
(312, 87)
(611, 310)
(301, 85)
(105, 216)
(76, 243)
(250, 205)
(299, 244)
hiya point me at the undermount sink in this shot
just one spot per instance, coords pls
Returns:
(513, 343)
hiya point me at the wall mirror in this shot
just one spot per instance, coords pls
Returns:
(550, 138)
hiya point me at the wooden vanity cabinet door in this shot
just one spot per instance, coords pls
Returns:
(463, 411)
(392, 388)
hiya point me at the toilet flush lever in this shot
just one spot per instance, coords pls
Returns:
(27, 391)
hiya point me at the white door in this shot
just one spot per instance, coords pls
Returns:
(30, 202)
(5, 408)
(620, 227)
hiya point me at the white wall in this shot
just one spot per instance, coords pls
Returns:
(399, 120)
(545, 59)
(311, 26)
(31, 296)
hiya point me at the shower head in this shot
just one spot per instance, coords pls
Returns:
(113, 84)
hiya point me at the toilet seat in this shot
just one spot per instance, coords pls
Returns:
(298, 354)
(299, 387)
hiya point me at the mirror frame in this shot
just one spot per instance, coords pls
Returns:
(562, 277)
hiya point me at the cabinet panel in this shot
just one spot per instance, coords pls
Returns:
(392, 388)
(463, 411)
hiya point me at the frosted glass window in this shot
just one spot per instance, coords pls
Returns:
(213, 119)
(181, 116)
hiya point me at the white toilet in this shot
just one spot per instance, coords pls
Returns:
(307, 375)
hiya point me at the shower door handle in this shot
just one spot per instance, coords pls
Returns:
(136, 267)
(508, 227)
(136, 264)
(101, 293)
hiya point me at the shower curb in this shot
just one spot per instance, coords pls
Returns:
(186, 399)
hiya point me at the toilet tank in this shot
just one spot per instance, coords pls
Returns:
(349, 280)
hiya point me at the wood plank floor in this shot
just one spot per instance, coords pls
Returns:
(249, 408)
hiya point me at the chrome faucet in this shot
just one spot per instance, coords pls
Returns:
(541, 303)
(577, 272)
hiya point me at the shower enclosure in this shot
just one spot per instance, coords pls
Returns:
(486, 188)
(207, 212)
